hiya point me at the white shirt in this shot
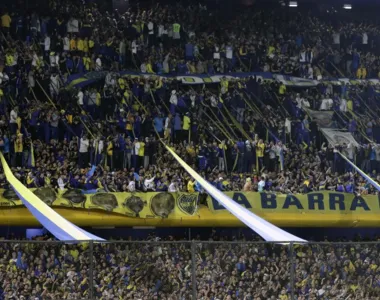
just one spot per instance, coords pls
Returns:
(13, 117)
(305, 103)
(261, 185)
(134, 47)
(122, 47)
(192, 99)
(303, 56)
(167, 120)
(61, 184)
(3, 77)
(131, 186)
(110, 80)
(326, 104)
(137, 148)
(336, 38)
(54, 82)
(172, 188)
(98, 64)
(174, 99)
(350, 151)
(150, 28)
(66, 44)
(100, 146)
(216, 53)
(213, 101)
(80, 97)
(31, 81)
(149, 183)
(343, 105)
(310, 73)
(47, 43)
(288, 126)
(160, 30)
(34, 60)
(83, 145)
(54, 60)
(229, 52)
(365, 39)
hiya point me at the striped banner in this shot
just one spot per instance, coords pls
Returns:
(266, 230)
(58, 226)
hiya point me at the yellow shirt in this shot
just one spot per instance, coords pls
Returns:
(87, 63)
(142, 149)
(349, 105)
(80, 45)
(271, 49)
(18, 145)
(125, 97)
(121, 82)
(224, 83)
(176, 27)
(242, 51)
(91, 44)
(73, 44)
(282, 89)
(260, 149)
(130, 121)
(109, 149)
(98, 99)
(9, 60)
(190, 186)
(74, 253)
(186, 123)
(85, 46)
(6, 21)
(192, 68)
(149, 68)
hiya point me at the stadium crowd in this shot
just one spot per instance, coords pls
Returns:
(244, 134)
(185, 39)
(241, 134)
(241, 268)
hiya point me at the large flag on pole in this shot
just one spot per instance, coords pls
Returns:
(323, 118)
(338, 137)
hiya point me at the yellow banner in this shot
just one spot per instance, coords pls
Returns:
(312, 203)
(321, 209)
(143, 205)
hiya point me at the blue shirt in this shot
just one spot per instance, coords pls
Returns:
(158, 124)
(189, 50)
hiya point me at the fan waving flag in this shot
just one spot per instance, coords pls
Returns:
(57, 225)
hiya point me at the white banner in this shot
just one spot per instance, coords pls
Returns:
(322, 118)
(336, 137)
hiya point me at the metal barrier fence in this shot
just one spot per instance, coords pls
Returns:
(189, 270)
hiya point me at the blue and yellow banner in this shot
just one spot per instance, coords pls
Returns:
(51, 220)
(82, 80)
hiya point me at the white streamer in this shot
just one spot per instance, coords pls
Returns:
(266, 230)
